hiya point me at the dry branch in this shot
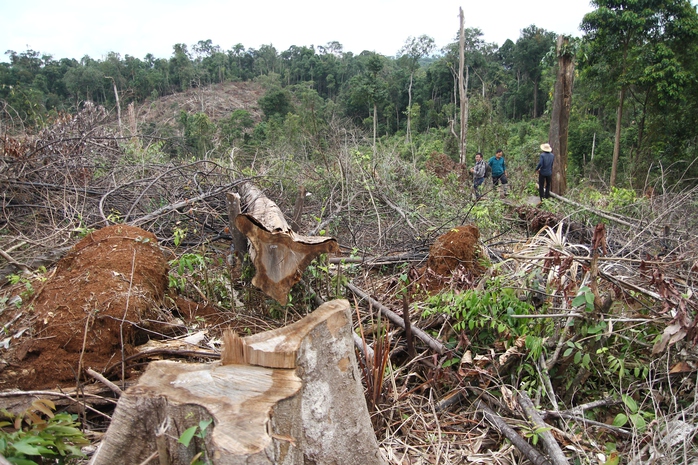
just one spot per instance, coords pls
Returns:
(395, 319)
(529, 451)
(549, 442)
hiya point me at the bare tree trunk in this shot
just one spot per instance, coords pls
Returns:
(461, 91)
(408, 137)
(559, 121)
(118, 104)
(535, 98)
(616, 142)
(375, 129)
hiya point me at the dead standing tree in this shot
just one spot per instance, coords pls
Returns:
(279, 255)
(559, 121)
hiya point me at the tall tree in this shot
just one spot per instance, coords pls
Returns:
(529, 51)
(632, 46)
(560, 116)
(462, 91)
(414, 50)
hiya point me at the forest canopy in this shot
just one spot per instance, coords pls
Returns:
(635, 73)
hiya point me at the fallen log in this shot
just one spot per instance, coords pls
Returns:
(293, 398)
(279, 255)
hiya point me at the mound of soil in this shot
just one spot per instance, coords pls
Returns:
(453, 259)
(101, 298)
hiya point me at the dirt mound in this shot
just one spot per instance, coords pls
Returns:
(453, 259)
(102, 297)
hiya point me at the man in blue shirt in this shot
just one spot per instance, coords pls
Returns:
(545, 171)
(499, 171)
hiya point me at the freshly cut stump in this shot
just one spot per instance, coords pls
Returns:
(294, 398)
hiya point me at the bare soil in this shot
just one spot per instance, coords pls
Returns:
(454, 255)
(101, 297)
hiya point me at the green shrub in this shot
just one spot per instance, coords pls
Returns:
(38, 434)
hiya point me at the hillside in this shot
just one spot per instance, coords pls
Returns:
(584, 303)
(217, 101)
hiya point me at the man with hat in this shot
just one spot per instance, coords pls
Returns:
(545, 171)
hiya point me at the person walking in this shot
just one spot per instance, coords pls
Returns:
(545, 171)
(478, 171)
(499, 171)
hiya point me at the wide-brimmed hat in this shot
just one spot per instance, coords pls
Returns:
(546, 148)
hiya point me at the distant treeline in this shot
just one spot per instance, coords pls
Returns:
(636, 76)
(34, 84)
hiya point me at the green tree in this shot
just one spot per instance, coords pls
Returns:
(276, 103)
(198, 133)
(182, 70)
(415, 49)
(235, 128)
(639, 47)
(533, 45)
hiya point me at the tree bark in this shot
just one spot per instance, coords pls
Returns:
(310, 410)
(239, 243)
(551, 446)
(462, 92)
(510, 433)
(559, 121)
(616, 142)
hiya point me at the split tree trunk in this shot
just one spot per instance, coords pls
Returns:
(296, 399)
(279, 255)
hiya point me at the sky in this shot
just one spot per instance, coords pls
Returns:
(75, 28)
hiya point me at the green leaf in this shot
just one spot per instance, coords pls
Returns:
(589, 298)
(638, 421)
(17, 461)
(24, 446)
(187, 436)
(630, 403)
(567, 352)
(620, 420)
(203, 424)
(577, 357)
(586, 360)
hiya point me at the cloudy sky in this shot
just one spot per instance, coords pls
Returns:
(74, 28)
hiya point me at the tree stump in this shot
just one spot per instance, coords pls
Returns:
(295, 398)
(279, 255)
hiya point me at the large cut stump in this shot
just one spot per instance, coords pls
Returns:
(279, 255)
(293, 398)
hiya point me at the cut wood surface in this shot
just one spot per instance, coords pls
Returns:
(279, 255)
(313, 413)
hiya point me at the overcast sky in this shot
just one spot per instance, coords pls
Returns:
(74, 28)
